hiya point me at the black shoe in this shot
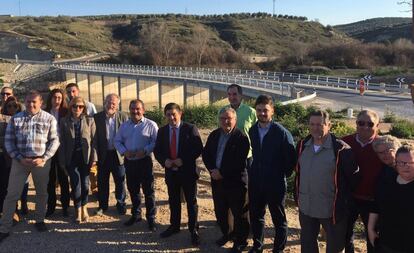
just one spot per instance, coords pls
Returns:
(152, 226)
(24, 209)
(238, 248)
(169, 232)
(222, 240)
(65, 212)
(132, 220)
(255, 250)
(40, 226)
(195, 238)
(121, 209)
(100, 211)
(49, 212)
(3, 236)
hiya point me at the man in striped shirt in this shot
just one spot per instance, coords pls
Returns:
(31, 140)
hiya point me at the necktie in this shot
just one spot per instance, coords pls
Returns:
(173, 144)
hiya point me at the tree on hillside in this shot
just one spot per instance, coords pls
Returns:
(410, 3)
(158, 42)
(200, 42)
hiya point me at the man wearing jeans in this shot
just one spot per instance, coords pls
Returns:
(31, 140)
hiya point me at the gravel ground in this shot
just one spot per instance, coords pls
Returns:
(107, 233)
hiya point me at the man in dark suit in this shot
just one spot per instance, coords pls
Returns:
(177, 147)
(109, 160)
(225, 156)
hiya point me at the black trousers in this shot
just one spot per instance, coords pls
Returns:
(235, 199)
(358, 208)
(258, 201)
(175, 182)
(4, 179)
(56, 172)
(139, 174)
(111, 165)
(310, 227)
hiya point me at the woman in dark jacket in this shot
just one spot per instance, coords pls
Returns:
(78, 153)
(10, 107)
(57, 106)
(391, 222)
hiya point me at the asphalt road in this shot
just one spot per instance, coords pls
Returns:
(402, 106)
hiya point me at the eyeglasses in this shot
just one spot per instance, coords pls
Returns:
(386, 151)
(403, 164)
(78, 106)
(361, 123)
(5, 94)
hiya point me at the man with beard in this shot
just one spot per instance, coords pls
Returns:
(274, 158)
(109, 160)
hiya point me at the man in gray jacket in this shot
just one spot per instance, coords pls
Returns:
(325, 175)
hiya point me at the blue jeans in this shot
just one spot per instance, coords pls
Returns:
(79, 179)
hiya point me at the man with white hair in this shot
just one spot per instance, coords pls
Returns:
(109, 159)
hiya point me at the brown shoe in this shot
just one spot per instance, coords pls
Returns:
(16, 218)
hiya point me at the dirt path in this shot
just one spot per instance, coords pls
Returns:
(107, 233)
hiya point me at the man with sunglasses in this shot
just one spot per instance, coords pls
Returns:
(370, 168)
(5, 93)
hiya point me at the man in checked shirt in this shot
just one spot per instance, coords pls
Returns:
(31, 140)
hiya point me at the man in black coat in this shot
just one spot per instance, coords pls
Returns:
(225, 156)
(177, 147)
(109, 160)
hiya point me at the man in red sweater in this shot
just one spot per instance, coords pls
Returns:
(369, 167)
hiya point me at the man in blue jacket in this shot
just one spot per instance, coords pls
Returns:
(274, 158)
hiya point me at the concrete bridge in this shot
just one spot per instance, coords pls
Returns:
(159, 86)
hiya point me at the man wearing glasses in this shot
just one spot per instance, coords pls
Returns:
(370, 168)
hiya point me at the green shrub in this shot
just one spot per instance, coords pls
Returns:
(403, 129)
(156, 115)
(202, 116)
(340, 129)
(389, 117)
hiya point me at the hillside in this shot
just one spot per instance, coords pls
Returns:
(378, 29)
(249, 34)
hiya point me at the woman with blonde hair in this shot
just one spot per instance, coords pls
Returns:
(78, 153)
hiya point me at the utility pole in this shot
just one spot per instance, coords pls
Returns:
(20, 9)
(274, 3)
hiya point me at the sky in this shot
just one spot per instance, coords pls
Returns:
(332, 12)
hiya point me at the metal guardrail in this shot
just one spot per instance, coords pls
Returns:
(283, 89)
(263, 79)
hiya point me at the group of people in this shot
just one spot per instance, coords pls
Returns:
(249, 157)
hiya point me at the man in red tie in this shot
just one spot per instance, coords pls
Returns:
(177, 147)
